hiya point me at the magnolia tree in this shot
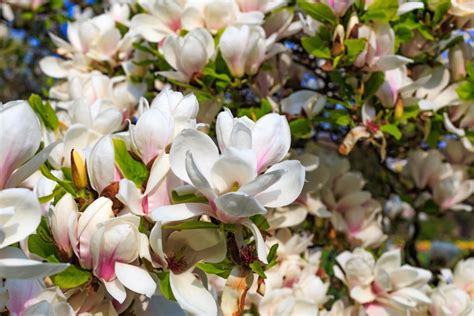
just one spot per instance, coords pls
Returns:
(241, 157)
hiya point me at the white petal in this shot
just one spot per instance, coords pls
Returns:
(130, 196)
(409, 6)
(15, 265)
(262, 182)
(391, 62)
(116, 290)
(26, 217)
(135, 278)
(30, 166)
(271, 140)
(202, 148)
(53, 67)
(287, 188)
(178, 212)
(159, 171)
(17, 121)
(191, 295)
(238, 204)
(197, 178)
(262, 250)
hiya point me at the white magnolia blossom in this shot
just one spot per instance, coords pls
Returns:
(246, 57)
(232, 181)
(188, 55)
(384, 285)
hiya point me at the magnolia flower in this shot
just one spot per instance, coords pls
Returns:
(17, 158)
(84, 301)
(217, 15)
(310, 102)
(462, 8)
(231, 182)
(243, 49)
(81, 227)
(178, 252)
(459, 55)
(260, 5)
(434, 91)
(281, 23)
(394, 82)
(339, 7)
(58, 216)
(31, 297)
(450, 300)
(384, 284)
(165, 17)
(422, 167)
(101, 116)
(378, 54)
(451, 188)
(188, 55)
(464, 276)
(101, 168)
(97, 38)
(181, 107)
(291, 285)
(114, 245)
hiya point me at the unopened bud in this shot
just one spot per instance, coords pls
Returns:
(78, 169)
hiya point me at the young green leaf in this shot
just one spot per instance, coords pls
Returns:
(165, 286)
(381, 11)
(353, 48)
(45, 111)
(392, 130)
(132, 169)
(318, 11)
(316, 47)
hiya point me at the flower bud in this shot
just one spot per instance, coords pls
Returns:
(78, 170)
(243, 49)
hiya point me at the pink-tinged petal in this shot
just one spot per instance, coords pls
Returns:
(178, 212)
(17, 121)
(135, 278)
(287, 188)
(95, 214)
(271, 140)
(22, 294)
(201, 146)
(191, 294)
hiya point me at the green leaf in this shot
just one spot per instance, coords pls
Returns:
(40, 247)
(165, 286)
(254, 113)
(440, 10)
(132, 169)
(45, 111)
(392, 130)
(410, 112)
(353, 48)
(257, 268)
(301, 128)
(192, 225)
(66, 185)
(316, 47)
(187, 198)
(470, 70)
(373, 84)
(318, 11)
(381, 11)
(465, 90)
(221, 269)
(71, 277)
(272, 257)
(260, 221)
(344, 120)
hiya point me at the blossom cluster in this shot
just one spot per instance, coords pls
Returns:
(240, 157)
